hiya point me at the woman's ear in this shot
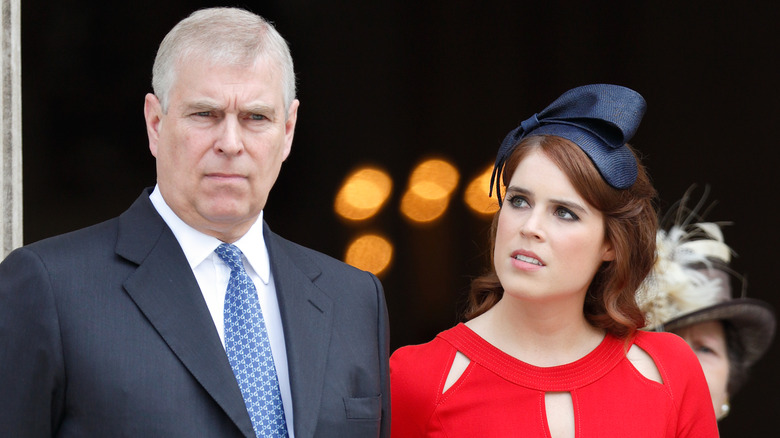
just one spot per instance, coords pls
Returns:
(608, 253)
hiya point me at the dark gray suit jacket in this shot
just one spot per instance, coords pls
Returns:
(104, 333)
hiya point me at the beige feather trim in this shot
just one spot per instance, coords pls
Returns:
(677, 285)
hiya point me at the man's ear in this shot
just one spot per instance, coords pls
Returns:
(153, 115)
(289, 126)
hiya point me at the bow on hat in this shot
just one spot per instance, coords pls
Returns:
(599, 118)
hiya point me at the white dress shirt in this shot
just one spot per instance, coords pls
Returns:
(213, 274)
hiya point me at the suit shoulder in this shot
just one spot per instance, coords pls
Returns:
(65, 254)
(85, 239)
(304, 255)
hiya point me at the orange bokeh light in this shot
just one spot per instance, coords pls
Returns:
(476, 194)
(363, 194)
(430, 186)
(370, 252)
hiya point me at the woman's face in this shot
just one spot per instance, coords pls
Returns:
(708, 340)
(549, 240)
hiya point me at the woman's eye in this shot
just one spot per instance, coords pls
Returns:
(701, 348)
(565, 213)
(518, 201)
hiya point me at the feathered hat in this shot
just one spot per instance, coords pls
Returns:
(691, 283)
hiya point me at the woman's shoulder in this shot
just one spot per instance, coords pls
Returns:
(422, 355)
(417, 373)
(662, 343)
(683, 375)
(423, 366)
(671, 354)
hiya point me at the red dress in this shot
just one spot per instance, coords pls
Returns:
(500, 396)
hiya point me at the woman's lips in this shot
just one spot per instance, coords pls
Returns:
(528, 257)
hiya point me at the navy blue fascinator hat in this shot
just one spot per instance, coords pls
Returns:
(599, 118)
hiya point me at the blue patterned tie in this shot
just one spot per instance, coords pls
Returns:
(249, 350)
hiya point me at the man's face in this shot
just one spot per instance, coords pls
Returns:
(221, 144)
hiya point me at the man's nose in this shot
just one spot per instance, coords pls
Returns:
(229, 140)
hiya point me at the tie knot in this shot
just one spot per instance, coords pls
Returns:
(231, 255)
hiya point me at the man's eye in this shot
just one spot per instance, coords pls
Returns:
(257, 117)
(203, 113)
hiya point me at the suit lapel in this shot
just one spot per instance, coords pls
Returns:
(165, 290)
(307, 319)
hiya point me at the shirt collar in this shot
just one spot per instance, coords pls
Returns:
(198, 246)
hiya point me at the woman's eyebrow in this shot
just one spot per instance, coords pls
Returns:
(572, 205)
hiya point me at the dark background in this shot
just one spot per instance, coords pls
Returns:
(390, 84)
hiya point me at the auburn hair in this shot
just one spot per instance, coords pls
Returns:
(630, 224)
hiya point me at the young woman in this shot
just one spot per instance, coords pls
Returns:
(551, 347)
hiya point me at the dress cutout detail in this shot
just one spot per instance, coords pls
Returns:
(500, 396)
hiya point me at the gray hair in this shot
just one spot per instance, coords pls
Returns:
(231, 36)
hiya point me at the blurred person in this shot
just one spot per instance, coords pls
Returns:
(551, 345)
(187, 316)
(689, 293)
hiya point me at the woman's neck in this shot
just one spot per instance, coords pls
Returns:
(540, 334)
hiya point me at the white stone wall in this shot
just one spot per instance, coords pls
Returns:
(11, 122)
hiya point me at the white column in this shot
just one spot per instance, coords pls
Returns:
(11, 122)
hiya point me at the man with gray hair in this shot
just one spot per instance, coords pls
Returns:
(186, 315)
